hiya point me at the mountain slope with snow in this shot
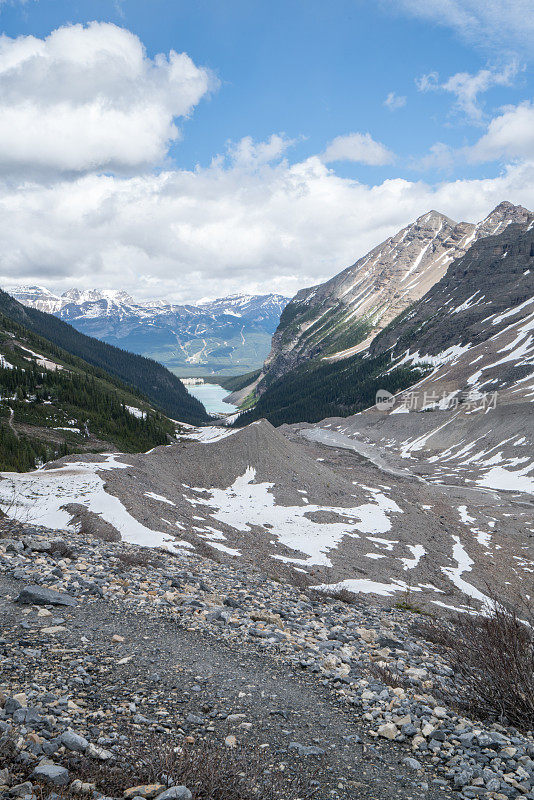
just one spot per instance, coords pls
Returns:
(471, 332)
(342, 316)
(225, 336)
(303, 510)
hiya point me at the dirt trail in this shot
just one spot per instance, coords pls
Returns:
(195, 672)
(374, 456)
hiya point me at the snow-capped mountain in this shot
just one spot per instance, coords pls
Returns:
(342, 316)
(229, 335)
(469, 338)
(474, 327)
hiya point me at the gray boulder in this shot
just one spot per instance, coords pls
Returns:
(175, 793)
(51, 773)
(74, 741)
(41, 596)
(306, 750)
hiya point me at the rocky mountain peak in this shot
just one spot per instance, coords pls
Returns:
(94, 295)
(32, 291)
(504, 214)
(342, 316)
(432, 220)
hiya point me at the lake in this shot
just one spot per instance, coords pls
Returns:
(211, 396)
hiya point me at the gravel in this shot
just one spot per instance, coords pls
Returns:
(251, 662)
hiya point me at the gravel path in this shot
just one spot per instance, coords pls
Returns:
(180, 650)
(189, 673)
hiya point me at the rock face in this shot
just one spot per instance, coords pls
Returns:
(493, 277)
(473, 330)
(342, 316)
(474, 324)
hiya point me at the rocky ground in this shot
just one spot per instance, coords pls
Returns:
(109, 651)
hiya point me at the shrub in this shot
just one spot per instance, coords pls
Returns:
(342, 595)
(493, 658)
(210, 770)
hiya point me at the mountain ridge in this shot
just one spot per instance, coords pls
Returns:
(160, 386)
(342, 316)
(462, 311)
(228, 335)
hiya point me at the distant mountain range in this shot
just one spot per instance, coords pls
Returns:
(63, 392)
(227, 336)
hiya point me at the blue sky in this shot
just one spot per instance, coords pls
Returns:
(270, 159)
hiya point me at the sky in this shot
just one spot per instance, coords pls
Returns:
(184, 149)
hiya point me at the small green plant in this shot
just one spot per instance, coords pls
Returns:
(407, 603)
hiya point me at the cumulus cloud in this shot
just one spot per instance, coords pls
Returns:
(88, 97)
(440, 156)
(467, 88)
(248, 153)
(394, 101)
(86, 100)
(358, 147)
(187, 234)
(509, 136)
(495, 24)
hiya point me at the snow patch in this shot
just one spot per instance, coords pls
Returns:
(245, 504)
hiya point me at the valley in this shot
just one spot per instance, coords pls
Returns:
(302, 549)
(267, 400)
(228, 336)
(429, 495)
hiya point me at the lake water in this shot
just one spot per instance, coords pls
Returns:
(211, 395)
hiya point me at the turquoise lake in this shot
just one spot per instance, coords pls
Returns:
(211, 395)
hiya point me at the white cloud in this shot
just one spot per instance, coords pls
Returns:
(509, 136)
(222, 229)
(248, 153)
(467, 88)
(491, 24)
(440, 156)
(428, 82)
(358, 147)
(394, 101)
(89, 98)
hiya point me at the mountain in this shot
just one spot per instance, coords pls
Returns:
(163, 389)
(342, 316)
(53, 403)
(227, 336)
(481, 308)
(425, 498)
